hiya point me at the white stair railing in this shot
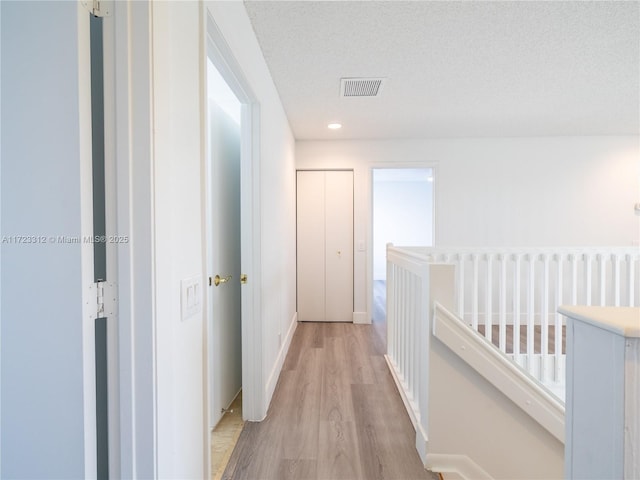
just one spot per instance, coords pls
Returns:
(511, 294)
(415, 353)
(408, 334)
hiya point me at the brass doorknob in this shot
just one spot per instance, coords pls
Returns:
(217, 280)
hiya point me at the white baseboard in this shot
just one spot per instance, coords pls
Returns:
(421, 436)
(422, 443)
(461, 465)
(282, 354)
(361, 318)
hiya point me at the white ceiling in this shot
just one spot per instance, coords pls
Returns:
(455, 69)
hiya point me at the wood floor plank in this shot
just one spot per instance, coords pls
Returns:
(298, 469)
(299, 414)
(301, 337)
(380, 369)
(339, 455)
(334, 329)
(318, 330)
(386, 440)
(359, 350)
(335, 403)
(246, 459)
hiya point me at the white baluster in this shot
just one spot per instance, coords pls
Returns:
(405, 324)
(398, 310)
(396, 313)
(516, 307)
(558, 321)
(544, 318)
(574, 279)
(488, 319)
(461, 281)
(411, 321)
(631, 277)
(602, 269)
(389, 296)
(474, 293)
(401, 320)
(615, 261)
(531, 312)
(417, 302)
(503, 303)
(589, 272)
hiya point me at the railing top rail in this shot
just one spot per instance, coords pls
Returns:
(427, 253)
(408, 252)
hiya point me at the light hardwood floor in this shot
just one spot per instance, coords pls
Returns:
(335, 414)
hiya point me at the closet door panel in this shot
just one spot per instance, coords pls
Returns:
(339, 246)
(311, 246)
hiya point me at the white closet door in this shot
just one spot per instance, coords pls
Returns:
(339, 246)
(325, 246)
(310, 252)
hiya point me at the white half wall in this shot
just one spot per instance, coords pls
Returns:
(560, 191)
(485, 430)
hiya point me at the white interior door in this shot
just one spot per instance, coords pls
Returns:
(325, 246)
(339, 246)
(310, 248)
(224, 247)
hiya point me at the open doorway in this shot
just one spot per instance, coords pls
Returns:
(232, 219)
(224, 315)
(402, 209)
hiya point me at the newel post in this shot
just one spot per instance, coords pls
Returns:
(438, 285)
(603, 393)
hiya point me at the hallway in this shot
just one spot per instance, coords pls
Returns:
(335, 414)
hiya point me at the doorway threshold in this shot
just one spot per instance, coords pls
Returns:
(225, 436)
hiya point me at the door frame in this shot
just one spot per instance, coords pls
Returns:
(216, 48)
(394, 166)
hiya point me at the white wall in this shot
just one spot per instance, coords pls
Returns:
(41, 329)
(502, 192)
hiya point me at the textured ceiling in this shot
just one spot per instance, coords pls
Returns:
(455, 69)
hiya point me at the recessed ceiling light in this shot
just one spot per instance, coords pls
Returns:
(334, 126)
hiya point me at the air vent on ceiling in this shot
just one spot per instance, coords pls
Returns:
(361, 87)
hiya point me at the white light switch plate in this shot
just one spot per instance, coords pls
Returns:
(190, 297)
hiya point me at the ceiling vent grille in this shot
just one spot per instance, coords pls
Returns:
(361, 87)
